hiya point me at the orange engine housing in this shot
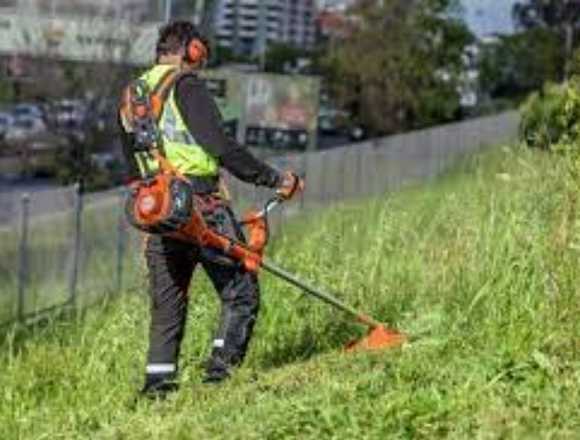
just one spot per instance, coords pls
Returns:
(165, 205)
(160, 205)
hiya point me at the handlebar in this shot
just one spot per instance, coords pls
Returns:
(263, 214)
(269, 206)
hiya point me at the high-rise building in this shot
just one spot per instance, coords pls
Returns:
(299, 23)
(249, 26)
(336, 5)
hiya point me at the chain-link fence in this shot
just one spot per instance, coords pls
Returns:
(61, 248)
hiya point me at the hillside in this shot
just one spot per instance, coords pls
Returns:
(481, 268)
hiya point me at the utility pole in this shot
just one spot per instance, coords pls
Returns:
(569, 47)
(262, 34)
(236, 39)
(570, 14)
(168, 9)
(208, 11)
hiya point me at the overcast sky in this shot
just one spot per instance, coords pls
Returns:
(485, 17)
(489, 16)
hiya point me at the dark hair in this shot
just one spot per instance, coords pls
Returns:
(175, 36)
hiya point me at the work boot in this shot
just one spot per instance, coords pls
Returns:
(216, 371)
(158, 389)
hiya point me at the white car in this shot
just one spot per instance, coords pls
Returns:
(6, 123)
(69, 113)
(24, 128)
(27, 111)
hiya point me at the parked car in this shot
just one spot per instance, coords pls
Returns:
(68, 114)
(6, 123)
(357, 132)
(27, 111)
(334, 122)
(24, 128)
(331, 120)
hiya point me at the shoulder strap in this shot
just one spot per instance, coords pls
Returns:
(151, 110)
(161, 91)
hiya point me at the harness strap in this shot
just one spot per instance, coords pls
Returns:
(161, 91)
(157, 99)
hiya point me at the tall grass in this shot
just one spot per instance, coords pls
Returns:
(480, 268)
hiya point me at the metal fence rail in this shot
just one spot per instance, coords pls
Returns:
(60, 248)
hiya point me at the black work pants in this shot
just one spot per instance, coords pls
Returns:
(171, 264)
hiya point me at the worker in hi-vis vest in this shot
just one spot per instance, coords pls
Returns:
(196, 145)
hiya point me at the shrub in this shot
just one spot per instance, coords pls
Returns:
(551, 118)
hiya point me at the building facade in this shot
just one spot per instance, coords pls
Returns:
(248, 27)
(133, 10)
(299, 23)
(336, 5)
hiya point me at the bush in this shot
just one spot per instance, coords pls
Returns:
(551, 118)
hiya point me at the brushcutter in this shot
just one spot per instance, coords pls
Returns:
(379, 336)
(165, 212)
(163, 202)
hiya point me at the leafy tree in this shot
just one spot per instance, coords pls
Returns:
(6, 91)
(518, 64)
(223, 55)
(560, 16)
(402, 66)
(281, 55)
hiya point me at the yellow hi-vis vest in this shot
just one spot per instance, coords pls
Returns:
(180, 146)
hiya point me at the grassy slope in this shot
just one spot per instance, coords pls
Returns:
(480, 268)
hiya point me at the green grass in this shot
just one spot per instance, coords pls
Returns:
(480, 268)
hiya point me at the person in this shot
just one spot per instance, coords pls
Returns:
(195, 143)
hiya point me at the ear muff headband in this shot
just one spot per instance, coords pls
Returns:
(196, 51)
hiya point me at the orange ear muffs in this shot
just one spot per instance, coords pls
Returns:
(196, 51)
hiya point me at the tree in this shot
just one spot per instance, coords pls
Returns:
(559, 16)
(518, 64)
(402, 66)
(281, 56)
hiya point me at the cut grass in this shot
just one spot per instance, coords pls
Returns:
(480, 268)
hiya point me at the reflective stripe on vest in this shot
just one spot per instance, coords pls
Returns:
(180, 146)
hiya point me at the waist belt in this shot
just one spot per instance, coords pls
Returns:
(203, 184)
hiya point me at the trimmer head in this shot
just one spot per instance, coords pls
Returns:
(379, 338)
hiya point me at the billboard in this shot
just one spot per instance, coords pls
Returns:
(280, 111)
(78, 39)
(225, 86)
(267, 110)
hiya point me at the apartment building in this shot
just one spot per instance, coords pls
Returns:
(299, 23)
(249, 26)
(336, 5)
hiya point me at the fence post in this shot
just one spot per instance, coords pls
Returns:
(78, 211)
(358, 189)
(23, 268)
(343, 174)
(304, 172)
(323, 173)
(121, 237)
